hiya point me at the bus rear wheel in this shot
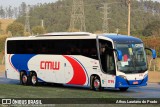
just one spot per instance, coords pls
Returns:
(24, 79)
(123, 89)
(34, 79)
(96, 84)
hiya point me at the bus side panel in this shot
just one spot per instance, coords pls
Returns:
(65, 69)
(92, 66)
(108, 80)
(11, 71)
(73, 70)
(49, 68)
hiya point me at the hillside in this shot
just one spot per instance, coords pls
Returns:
(3, 33)
(5, 23)
(57, 15)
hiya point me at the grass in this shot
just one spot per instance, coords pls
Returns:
(158, 63)
(2, 43)
(49, 91)
(154, 77)
(1, 57)
(19, 91)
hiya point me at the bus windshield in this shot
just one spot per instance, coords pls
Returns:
(134, 58)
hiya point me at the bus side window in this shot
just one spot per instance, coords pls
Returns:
(30, 50)
(72, 50)
(85, 51)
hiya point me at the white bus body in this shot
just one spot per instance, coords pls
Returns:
(75, 59)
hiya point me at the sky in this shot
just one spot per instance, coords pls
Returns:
(16, 3)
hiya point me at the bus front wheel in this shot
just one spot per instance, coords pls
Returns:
(123, 89)
(96, 84)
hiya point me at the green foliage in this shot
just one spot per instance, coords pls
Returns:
(57, 15)
(27, 34)
(38, 30)
(152, 29)
(1, 27)
(2, 42)
(0, 24)
(152, 42)
(16, 28)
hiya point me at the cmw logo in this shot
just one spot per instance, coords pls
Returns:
(49, 65)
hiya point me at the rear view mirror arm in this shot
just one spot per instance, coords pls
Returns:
(154, 55)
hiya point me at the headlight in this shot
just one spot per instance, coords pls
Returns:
(122, 76)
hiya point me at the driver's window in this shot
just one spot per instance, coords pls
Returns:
(107, 56)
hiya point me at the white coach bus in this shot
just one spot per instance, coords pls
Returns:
(78, 59)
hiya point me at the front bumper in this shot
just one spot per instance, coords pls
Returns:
(121, 82)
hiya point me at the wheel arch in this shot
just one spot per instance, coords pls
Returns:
(93, 76)
(22, 71)
(32, 71)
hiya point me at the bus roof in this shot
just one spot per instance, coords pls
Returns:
(68, 34)
(118, 38)
(58, 35)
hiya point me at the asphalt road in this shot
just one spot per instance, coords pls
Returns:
(150, 91)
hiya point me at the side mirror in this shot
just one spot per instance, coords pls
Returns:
(154, 55)
(119, 54)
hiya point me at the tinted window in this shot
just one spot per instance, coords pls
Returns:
(86, 47)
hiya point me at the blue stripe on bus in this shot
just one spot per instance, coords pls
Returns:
(20, 61)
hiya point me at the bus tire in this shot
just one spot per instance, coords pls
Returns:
(33, 79)
(96, 84)
(91, 82)
(24, 78)
(123, 89)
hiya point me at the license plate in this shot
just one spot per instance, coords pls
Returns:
(136, 82)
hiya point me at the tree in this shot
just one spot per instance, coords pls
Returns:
(10, 12)
(16, 28)
(73, 30)
(0, 27)
(27, 34)
(38, 30)
(22, 9)
(57, 15)
(15, 12)
(152, 29)
(2, 12)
